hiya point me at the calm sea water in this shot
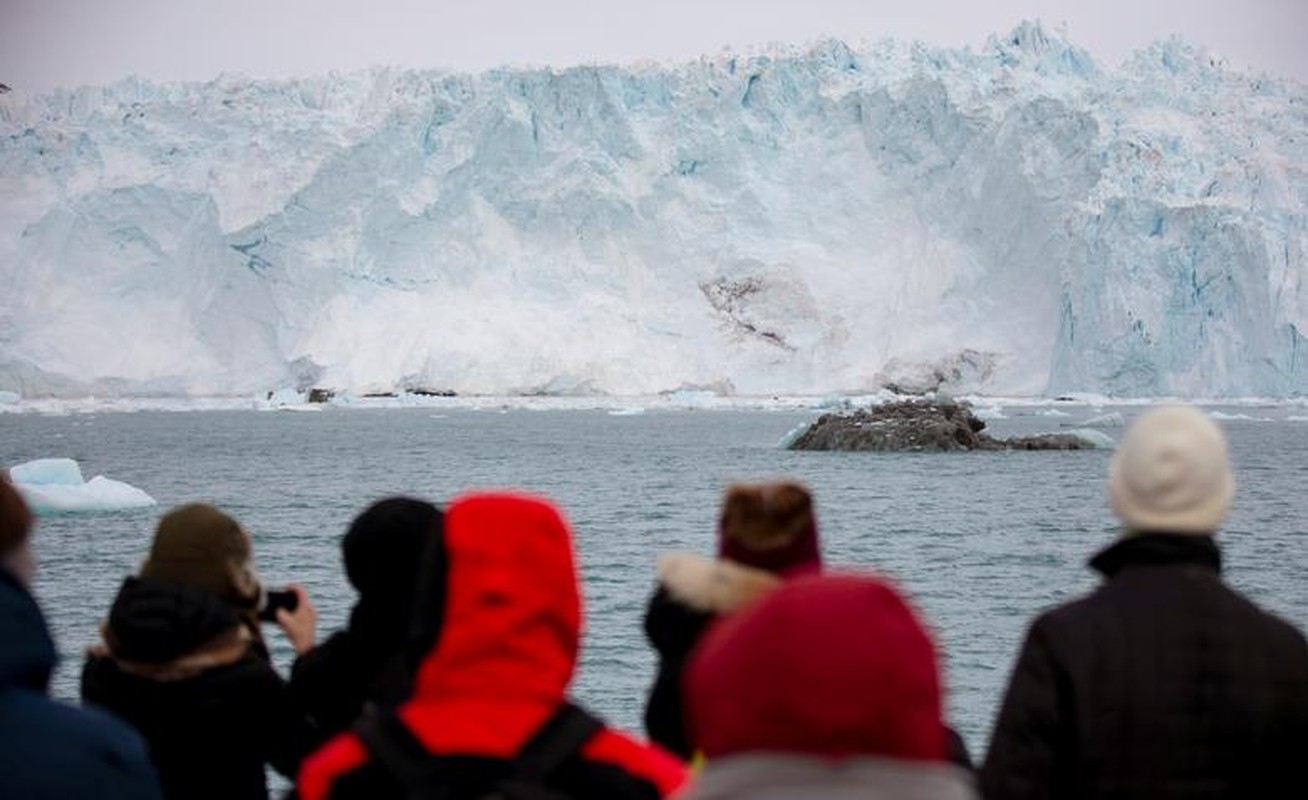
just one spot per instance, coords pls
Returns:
(981, 541)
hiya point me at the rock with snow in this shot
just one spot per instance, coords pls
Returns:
(919, 425)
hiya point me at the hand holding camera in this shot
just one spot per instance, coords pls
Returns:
(295, 614)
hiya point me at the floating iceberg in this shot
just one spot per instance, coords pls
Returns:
(1112, 419)
(56, 486)
(1099, 439)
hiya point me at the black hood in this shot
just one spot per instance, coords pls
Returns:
(383, 552)
(154, 622)
(27, 653)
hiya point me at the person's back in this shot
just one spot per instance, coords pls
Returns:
(182, 663)
(51, 750)
(1164, 682)
(364, 663)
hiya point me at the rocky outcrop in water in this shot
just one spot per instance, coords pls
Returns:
(920, 425)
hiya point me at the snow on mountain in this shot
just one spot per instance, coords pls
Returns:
(1018, 220)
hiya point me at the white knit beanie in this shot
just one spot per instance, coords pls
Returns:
(1171, 473)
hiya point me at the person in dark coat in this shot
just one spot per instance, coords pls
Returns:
(49, 750)
(765, 531)
(495, 644)
(184, 662)
(830, 688)
(1164, 682)
(365, 662)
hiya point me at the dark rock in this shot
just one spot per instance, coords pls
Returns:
(434, 392)
(919, 425)
(321, 395)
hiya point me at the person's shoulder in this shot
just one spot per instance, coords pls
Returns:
(79, 731)
(1253, 618)
(646, 762)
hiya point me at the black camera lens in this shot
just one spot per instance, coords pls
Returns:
(277, 599)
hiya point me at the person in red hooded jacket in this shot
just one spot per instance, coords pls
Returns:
(828, 687)
(494, 647)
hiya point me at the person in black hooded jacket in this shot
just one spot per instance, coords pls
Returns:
(184, 662)
(365, 662)
(1164, 682)
(49, 749)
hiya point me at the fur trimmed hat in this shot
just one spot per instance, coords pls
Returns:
(769, 526)
(1171, 473)
(199, 546)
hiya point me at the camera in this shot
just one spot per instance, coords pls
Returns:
(278, 599)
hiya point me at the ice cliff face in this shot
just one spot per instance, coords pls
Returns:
(1017, 220)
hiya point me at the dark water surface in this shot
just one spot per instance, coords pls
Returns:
(982, 541)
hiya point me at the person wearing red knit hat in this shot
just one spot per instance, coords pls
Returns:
(826, 688)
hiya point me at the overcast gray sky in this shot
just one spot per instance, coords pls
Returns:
(48, 43)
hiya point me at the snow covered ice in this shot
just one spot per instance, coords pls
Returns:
(56, 485)
(1015, 221)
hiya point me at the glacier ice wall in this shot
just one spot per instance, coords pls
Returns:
(1017, 220)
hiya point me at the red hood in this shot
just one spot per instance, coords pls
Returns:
(509, 629)
(512, 614)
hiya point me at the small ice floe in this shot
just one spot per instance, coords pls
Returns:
(1112, 419)
(793, 434)
(10, 398)
(834, 401)
(988, 414)
(56, 486)
(1099, 439)
(1052, 412)
(634, 411)
(1222, 416)
(1296, 419)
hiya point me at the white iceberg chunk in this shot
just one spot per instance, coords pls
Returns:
(10, 398)
(1099, 439)
(1112, 419)
(56, 486)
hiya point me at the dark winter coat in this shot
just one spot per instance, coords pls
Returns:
(496, 644)
(334, 681)
(48, 750)
(181, 667)
(1163, 683)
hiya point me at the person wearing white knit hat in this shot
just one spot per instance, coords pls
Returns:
(1163, 682)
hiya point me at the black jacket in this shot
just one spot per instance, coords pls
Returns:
(1163, 683)
(212, 715)
(335, 680)
(673, 628)
(48, 749)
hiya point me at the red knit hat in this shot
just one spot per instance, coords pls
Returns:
(769, 526)
(825, 665)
